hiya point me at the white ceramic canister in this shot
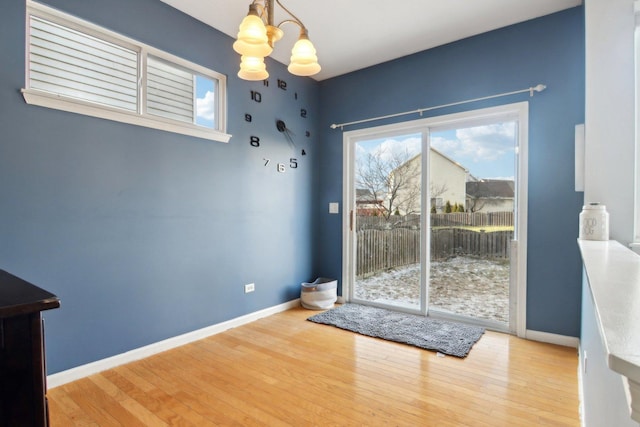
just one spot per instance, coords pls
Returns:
(594, 222)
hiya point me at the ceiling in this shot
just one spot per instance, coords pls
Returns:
(353, 34)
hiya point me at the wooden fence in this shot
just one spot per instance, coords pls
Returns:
(448, 242)
(379, 250)
(381, 223)
(475, 219)
(459, 219)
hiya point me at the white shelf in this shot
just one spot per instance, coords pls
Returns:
(613, 271)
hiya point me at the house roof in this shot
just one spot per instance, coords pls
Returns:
(433, 150)
(418, 156)
(491, 188)
(364, 195)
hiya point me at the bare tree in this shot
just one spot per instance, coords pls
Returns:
(475, 204)
(394, 178)
(391, 177)
(475, 196)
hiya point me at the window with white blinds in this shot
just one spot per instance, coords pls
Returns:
(76, 66)
(67, 62)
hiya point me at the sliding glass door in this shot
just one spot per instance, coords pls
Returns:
(435, 216)
(386, 221)
(473, 191)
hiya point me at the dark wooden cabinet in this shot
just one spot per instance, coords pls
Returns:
(23, 386)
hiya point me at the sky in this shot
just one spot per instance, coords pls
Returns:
(205, 102)
(486, 151)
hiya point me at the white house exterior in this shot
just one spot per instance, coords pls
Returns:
(490, 195)
(447, 183)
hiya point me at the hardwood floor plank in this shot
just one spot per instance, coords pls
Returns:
(143, 398)
(166, 393)
(220, 397)
(102, 409)
(68, 413)
(285, 371)
(296, 376)
(253, 388)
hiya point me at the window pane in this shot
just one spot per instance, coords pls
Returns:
(70, 63)
(205, 102)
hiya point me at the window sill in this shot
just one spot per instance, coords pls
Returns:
(635, 247)
(613, 272)
(49, 100)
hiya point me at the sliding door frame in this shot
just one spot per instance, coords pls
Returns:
(518, 112)
(350, 139)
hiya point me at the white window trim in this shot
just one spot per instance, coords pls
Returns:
(140, 118)
(635, 245)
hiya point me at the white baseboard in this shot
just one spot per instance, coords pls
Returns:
(547, 337)
(82, 371)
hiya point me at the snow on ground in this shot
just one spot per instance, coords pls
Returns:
(462, 285)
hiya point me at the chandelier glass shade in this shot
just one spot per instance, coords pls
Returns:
(252, 36)
(304, 61)
(252, 68)
(257, 35)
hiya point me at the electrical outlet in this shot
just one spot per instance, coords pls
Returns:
(249, 288)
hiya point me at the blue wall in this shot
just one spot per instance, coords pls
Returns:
(145, 234)
(548, 50)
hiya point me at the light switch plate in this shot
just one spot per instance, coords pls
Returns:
(334, 208)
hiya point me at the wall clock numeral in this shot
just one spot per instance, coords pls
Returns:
(265, 82)
(282, 84)
(303, 113)
(281, 167)
(293, 163)
(254, 141)
(295, 95)
(307, 133)
(304, 153)
(266, 161)
(256, 96)
(248, 118)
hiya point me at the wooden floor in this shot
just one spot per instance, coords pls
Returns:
(285, 371)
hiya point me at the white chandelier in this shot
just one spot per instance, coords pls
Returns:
(257, 35)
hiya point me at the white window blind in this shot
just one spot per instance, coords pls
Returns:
(170, 91)
(65, 61)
